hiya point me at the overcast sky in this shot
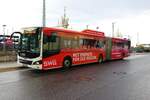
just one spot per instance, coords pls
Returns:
(130, 16)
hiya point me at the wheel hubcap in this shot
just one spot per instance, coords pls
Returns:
(67, 63)
(100, 60)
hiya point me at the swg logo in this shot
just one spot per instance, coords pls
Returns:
(50, 63)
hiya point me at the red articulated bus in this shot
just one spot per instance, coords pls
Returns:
(48, 48)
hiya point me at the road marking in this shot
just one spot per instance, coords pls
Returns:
(136, 56)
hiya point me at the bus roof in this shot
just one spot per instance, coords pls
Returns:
(119, 39)
(87, 32)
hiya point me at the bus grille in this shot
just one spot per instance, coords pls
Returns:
(25, 61)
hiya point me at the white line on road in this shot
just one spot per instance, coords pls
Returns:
(134, 56)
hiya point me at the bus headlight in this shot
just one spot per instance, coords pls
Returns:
(37, 62)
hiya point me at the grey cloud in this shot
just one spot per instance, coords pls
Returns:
(104, 8)
(93, 10)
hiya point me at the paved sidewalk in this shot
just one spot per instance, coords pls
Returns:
(9, 66)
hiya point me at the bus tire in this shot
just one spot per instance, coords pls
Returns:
(67, 62)
(100, 59)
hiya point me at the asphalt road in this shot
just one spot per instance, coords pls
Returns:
(127, 79)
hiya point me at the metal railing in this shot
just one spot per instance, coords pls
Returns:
(9, 54)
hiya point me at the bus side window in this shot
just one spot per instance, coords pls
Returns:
(90, 43)
(99, 44)
(104, 44)
(127, 45)
(75, 44)
(121, 45)
(53, 37)
(82, 43)
(45, 39)
(51, 42)
(113, 45)
(66, 42)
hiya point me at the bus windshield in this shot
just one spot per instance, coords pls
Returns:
(30, 41)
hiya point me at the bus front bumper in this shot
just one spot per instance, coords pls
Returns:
(30, 64)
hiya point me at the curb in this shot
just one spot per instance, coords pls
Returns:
(12, 68)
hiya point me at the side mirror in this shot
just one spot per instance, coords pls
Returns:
(16, 46)
(15, 33)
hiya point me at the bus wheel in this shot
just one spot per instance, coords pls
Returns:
(67, 63)
(100, 59)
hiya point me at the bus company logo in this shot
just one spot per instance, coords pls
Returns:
(50, 63)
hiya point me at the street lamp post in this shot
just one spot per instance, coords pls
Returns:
(87, 26)
(43, 25)
(113, 29)
(4, 46)
(113, 25)
(44, 14)
(138, 39)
